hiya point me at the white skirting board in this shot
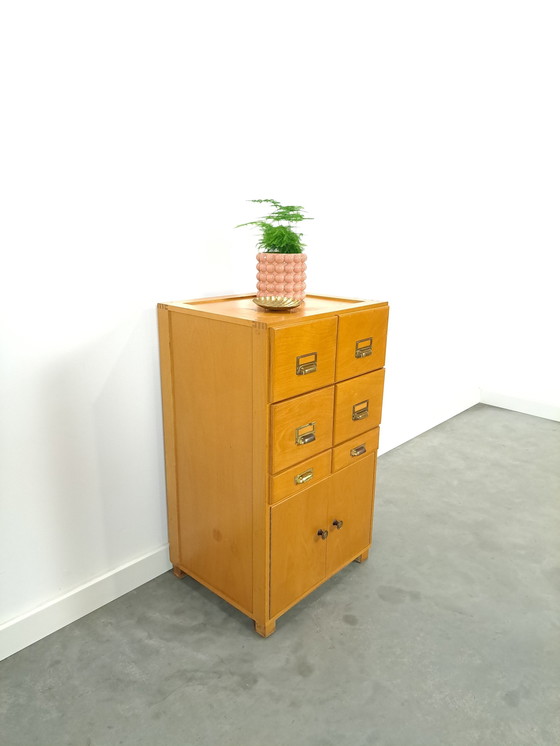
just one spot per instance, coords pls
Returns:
(525, 406)
(28, 628)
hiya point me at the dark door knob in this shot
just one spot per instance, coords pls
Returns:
(322, 533)
(338, 524)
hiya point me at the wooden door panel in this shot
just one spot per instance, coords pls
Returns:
(350, 508)
(298, 553)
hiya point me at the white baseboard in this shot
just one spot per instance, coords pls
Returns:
(526, 406)
(28, 628)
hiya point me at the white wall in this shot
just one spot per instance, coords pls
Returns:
(422, 137)
(517, 209)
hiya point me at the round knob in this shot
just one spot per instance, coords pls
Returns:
(322, 533)
(338, 524)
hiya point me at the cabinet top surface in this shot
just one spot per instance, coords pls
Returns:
(241, 309)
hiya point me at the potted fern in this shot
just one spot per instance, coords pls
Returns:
(280, 262)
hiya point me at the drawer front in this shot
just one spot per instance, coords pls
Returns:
(355, 450)
(302, 358)
(358, 405)
(300, 477)
(301, 428)
(362, 338)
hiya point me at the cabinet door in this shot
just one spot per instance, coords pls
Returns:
(350, 512)
(298, 552)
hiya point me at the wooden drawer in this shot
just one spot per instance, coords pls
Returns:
(302, 358)
(358, 405)
(355, 450)
(362, 338)
(300, 477)
(301, 428)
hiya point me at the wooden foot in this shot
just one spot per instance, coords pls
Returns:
(178, 572)
(266, 629)
(363, 556)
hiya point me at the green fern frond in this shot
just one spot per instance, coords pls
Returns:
(280, 238)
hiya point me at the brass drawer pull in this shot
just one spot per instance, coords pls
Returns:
(360, 412)
(358, 450)
(308, 366)
(338, 524)
(304, 477)
(302, 438)
(364, 350)
(322, 533)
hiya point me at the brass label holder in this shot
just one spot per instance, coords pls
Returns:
(305, 434)
(306, 363)
(360, 410)
(364, 347)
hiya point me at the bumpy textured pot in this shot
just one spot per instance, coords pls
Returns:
(281, 276)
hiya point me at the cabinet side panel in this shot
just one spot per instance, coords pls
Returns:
(212, 373)
(168, 431)
(261, 511)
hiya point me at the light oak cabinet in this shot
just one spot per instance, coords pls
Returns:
(271, 424)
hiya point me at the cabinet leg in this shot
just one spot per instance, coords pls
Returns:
(178, 572)
(363, 556)
(266, 629)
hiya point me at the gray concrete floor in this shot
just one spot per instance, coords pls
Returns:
(449, 634)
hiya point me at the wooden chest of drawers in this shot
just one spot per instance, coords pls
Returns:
(271, 423)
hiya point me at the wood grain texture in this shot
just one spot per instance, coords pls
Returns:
(238, 522)
(354, 392)
(265, 629)
(298, 554)
(218, 592)
(212, 371)
(286, 416)
(168, 408)
(240, 309)
(351, 502)
(310, 590)
(290, 342)
(261, 510)
(362, 557)
(342, 455)
(358, 326)
(284, 484)
(300, 559)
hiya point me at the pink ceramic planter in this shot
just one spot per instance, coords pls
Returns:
(281, 275)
